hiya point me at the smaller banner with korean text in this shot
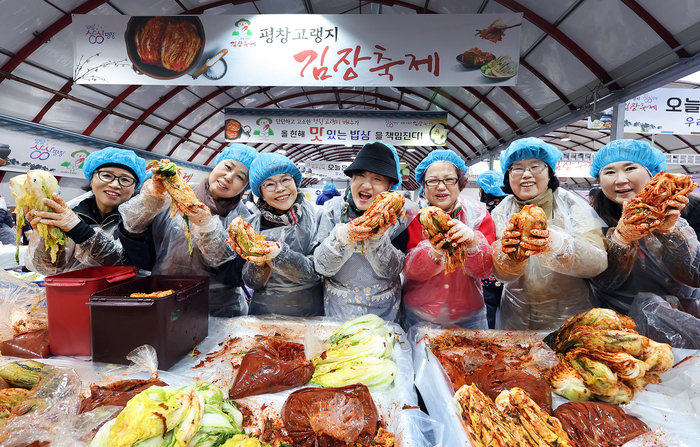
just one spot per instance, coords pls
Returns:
(341, 127)
(324, 169)
(664, 110)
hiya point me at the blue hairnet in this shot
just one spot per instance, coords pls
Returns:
(638, 151)
(112, 155)
(530, 148)
(329, 186)
(491, 182)
(266, 165)
(439, 155)
(239, 152)
(398, 165)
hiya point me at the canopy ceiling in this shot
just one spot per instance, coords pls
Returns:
(574, 53)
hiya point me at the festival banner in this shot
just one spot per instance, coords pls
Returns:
(664, 110)
(25, 151)
(336, 50)
(335, 127)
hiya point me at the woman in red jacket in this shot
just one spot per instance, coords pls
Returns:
(430, 295)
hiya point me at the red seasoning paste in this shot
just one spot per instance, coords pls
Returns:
(273, 365)
(595, 424)
(116, 393)
(491, 379)
(32, 345)
(331, 417)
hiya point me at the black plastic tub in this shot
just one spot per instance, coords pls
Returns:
(173, 324)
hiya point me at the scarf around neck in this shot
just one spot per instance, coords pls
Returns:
(544, 200)
(219, 207)
(350, 211)
(289, 217)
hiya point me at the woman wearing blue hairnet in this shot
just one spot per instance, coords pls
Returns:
(91, 220)
(285, 282)
(157, 242)
(429, 293)
(364, 277)
(546, 287)
(662, 258)
(491, 193)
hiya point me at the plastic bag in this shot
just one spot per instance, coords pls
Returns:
(656, 319)
(418, 427)
(599, 423)
(32, 345)
(50, 407)
(314, 416)
(273, 365)
(22, 305)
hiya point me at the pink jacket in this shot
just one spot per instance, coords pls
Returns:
(426, 286)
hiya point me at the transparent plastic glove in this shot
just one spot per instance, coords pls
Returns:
(210, 238)
(510, 240)
(675, 207)
(342, 235)
(37, 258)
(437, 254)
(505, 268)
(154, 187)
(266, 258)
(539, 242)
(63, 217)
(630, 233)
(198, 215)
(386, 260)
(460, 233)
(334, 251)
(140, 210)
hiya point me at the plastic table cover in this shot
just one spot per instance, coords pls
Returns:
(411, 426)
(58, 420)
(671, 409)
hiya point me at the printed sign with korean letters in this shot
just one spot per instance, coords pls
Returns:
(664, 110)
(289, 126)
(325, 169)
(58, 157)
(342, 50)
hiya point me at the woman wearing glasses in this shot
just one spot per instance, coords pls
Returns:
(547, 286)
(428, 293)
(364, 277)
(156, 242)
(91, 220)
(285, 282)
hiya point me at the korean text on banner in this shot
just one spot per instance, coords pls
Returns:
(441, 50)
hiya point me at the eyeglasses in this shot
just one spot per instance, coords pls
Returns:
(108, 177)
(271, 185)
(534, 169)
(433, 182)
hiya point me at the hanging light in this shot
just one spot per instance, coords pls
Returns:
(282, 152)
(410, 149)
(566, 137)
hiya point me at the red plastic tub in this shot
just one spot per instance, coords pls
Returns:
(67, 295)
